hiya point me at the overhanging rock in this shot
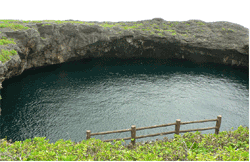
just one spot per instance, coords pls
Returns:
(46, 44)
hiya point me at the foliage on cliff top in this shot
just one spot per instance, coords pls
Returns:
(150, 27)
(9, 24)
(227, 146)
(5, 55)
(5, 41)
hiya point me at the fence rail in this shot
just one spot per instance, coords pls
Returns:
(176, 131)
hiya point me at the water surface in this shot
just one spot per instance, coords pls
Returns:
(63, 101)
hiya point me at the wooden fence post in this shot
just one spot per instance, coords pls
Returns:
(133, 134)
(218, 122)
(88, 134)
(177, 126)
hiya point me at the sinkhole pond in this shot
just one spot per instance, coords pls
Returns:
(105, 94)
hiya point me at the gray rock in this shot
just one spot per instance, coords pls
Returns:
(218, 42)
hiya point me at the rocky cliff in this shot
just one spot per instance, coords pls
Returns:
(42, 43)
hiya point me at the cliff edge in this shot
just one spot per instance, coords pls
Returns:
(28, 44)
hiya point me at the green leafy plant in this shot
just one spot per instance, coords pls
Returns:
(187, 147)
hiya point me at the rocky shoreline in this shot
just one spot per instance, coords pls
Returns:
(46, 43)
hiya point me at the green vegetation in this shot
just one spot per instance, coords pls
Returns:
(5, 55)
(227, 29)
(136, 26)
(184, 35)
(227, 146)
(46, 24)
(5, 41)
(107, 25)
(13, 26)
(32, 21)
(145, 27)
(172, 31)
(200, 23)
(171, 25)
(160, 34)
(176, 23)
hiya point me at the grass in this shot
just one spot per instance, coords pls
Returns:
(5, 55)
(160, 34)
(46, 24)
(143, 27)
(184, 35)
(227, 29)
(200, 23)
(226, 146)
(5, 41)
(10, 24)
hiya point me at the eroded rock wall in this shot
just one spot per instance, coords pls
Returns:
(43, 45)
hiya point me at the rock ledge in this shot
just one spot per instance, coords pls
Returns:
(54, 43)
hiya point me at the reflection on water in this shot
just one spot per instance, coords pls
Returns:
(63, 101)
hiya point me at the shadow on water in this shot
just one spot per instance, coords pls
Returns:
(63, 101)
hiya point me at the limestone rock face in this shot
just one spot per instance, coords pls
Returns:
(198, 41)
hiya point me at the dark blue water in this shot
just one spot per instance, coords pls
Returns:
(63, 101)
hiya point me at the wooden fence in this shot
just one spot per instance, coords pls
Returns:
(176, 131)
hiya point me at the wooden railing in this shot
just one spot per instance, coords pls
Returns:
(176, 131)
